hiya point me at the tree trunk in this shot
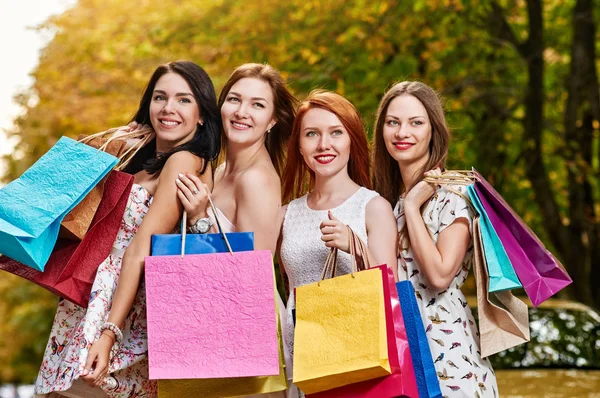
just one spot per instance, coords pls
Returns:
(582, 108)
(577, 243)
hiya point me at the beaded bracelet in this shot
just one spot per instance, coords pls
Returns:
(113, 328)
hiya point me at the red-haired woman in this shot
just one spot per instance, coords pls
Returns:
(411, 141)
(328, 157)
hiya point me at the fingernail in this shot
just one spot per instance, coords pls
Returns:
(178, 180)
(180, 175)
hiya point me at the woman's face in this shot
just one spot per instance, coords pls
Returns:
(248, 110)
(324, 142)
(174, 111)
(407, 130)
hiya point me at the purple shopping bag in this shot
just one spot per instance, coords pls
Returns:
(541, 274)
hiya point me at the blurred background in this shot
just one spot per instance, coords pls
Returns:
(521, 90)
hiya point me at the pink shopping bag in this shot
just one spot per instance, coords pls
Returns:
(211, 316)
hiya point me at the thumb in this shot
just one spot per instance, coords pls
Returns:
(331, 217)
(88, 364)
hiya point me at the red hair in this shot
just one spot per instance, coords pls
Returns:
(297, 177)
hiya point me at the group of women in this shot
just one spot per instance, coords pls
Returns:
(315, 157)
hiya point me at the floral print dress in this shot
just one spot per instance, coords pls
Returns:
(76, 328)
(450, 328)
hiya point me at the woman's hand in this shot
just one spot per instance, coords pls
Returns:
(335, 233)
(98, 358)
(193, 194)
(421, 192)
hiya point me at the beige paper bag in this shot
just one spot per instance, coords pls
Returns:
(503, 318)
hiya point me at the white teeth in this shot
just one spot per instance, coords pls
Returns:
(240, 125)
(325, 158)
(169, 123)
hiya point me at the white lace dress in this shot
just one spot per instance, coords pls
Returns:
(303, 253)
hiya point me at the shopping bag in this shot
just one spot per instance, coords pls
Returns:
(77, 222)
(402, 381)
(170, 244)
(340, 335)
(503, 318)
(71, 268)
(211, 315)
(177, 244)
(541, 274)
(427, 380)
(33, 206)
(228, 387)
(502, 276)
(233, 328)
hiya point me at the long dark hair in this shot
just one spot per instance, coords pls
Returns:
(387, 180)
(206, 142)
(284, 108)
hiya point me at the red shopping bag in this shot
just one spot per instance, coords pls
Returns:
(72, 266)
(402, 381)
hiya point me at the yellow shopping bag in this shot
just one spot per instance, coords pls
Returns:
(340, 335)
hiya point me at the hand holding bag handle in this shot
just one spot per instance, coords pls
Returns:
(358, 249)
(184, 228)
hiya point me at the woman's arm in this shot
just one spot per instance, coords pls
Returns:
(440, 262)
(382, 233)
(258, 204)
(162, 216)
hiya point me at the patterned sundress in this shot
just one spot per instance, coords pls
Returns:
(450, 327)
(76, 328)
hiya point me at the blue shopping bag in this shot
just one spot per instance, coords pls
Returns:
(502, 275)
(170, 244)
(427, 380)
(33, 206)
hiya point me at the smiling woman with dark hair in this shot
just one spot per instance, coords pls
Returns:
(106, 344)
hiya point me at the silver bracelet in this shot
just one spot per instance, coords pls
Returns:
(113, 328)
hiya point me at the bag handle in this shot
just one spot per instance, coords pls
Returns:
(184, 228)
(455, 177)
(357, 249)
(145, 134)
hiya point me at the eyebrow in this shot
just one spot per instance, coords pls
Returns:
(252, 98)
(410, 118)
(177, 95)
(330, 128)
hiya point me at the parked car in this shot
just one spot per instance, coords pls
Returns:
(561, 360)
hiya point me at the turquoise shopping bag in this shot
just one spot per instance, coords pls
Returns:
(501, 272)
(33, 206)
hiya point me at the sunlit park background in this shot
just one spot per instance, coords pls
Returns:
(521, 90)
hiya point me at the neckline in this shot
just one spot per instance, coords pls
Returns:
(333, 208)
(141, 186)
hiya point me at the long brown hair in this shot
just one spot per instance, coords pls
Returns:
(284, 108)
(388, 180)
(298, 178)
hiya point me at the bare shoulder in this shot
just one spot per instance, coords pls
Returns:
(259, 179)
(379, 206)
(184, 160)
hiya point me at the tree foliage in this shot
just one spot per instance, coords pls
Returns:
(518, 77)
